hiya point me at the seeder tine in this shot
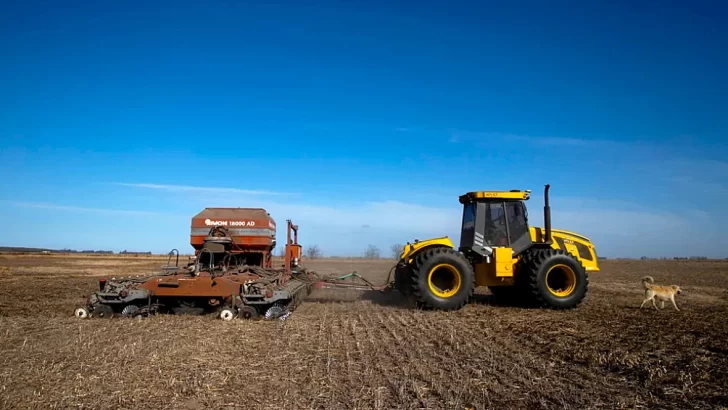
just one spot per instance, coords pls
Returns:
(354, 286)
(329, 285)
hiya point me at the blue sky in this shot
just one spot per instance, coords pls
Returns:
(363, 121)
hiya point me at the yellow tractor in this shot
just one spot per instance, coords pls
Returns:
(498, 249)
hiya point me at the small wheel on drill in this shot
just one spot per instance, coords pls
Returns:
(81, 313)
(248, 312)
(227, 314)
(101, 310)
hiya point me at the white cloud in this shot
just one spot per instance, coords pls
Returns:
(58, 207)
(704, 176)
(477, 136)
(348, 229)
(574, 142)
(702, 185)
(194, 189)
(617, 228)
(622, 223)
(389, 216)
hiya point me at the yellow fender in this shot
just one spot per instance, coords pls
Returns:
(412, 249)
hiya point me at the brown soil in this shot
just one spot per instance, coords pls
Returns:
(353, 349)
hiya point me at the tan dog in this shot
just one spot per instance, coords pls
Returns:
(661, 292)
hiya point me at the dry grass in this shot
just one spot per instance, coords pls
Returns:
(349, 349)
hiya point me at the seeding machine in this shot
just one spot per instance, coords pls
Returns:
(231, 273)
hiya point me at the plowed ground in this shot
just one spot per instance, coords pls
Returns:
(352, 349)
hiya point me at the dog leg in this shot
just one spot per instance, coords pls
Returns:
(674, 304)
(648, 297)
(662, 304)
(655, 304)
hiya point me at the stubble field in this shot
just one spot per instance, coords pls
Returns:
(354, 349)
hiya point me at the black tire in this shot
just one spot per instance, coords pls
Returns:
(403, 280)
(248, 312)
(101, 310)
(553, 278)
(450, 275)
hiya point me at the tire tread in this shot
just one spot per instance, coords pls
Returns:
(420, 267)
(529, 277)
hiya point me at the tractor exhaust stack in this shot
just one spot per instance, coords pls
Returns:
(547, 215)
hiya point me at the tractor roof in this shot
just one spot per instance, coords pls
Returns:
(490, 195)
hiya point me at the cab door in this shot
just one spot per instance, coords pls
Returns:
(518, 233)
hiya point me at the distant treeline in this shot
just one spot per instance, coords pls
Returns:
(21, 249)
(678, 258)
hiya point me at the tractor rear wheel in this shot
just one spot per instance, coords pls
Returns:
(553, 278)
(442, 279)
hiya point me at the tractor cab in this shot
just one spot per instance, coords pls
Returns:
(496, 219)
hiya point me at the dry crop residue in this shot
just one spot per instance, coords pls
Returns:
(350, 349)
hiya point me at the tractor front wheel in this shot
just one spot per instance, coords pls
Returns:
(554, 278)
(442, 279)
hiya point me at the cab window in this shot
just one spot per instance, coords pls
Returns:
(495, 225)
(517, 225)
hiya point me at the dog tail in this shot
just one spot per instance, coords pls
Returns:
(647, 282)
